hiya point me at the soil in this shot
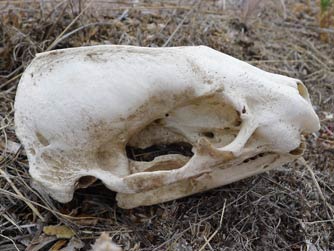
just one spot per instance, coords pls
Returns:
(291, 208)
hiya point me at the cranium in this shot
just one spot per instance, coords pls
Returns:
(87, 113)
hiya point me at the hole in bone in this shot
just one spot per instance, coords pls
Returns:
(243, 110)
(42, 139)
(85, 181)
(209, 135)
(237, 122)
(260, 155)
(158, 121)
(151, 152)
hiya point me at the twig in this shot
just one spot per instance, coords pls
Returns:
(11, 221)
(318, 221)
(209, 245)
(59, 38)
(67, 35)
(11, 80)
(32, 207)
(3, 236)
(56, 213)
(54, 43)
(217, 230)
(181, 23)
(314, 179)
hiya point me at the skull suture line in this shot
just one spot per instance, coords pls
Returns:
(210, 119)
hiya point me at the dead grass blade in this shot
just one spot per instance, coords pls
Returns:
(217, 230)
(18, 192)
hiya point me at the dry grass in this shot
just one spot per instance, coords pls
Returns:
(286, 209)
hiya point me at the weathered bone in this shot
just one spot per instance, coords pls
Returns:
(85, 113)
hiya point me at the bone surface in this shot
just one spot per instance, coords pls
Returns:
(155, 124)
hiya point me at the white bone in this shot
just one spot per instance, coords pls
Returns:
(77, 110)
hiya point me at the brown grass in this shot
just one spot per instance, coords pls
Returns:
(287, 209)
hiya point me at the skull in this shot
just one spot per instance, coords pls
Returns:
(155, 124)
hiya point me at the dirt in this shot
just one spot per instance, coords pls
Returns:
(291, 208)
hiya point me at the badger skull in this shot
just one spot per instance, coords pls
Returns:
(210, 119)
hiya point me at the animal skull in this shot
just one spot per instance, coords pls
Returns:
(210, 119)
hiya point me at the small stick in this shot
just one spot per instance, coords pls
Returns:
(217, 230)
(59, 38)
(314, 179)
(11, 240)
(65, 36)
(32, 207)
(180, 24)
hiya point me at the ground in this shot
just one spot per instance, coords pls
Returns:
(291, 208)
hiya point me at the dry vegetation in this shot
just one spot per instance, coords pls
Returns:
(287, 209)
